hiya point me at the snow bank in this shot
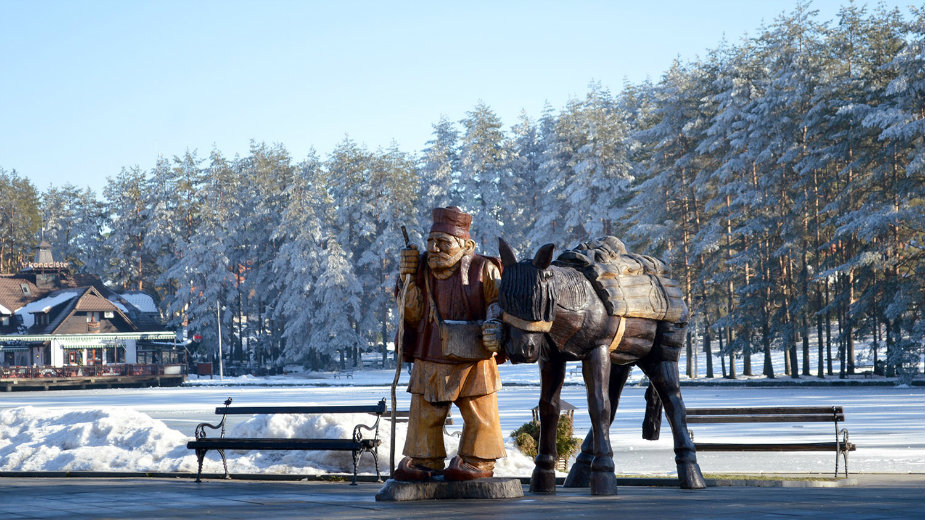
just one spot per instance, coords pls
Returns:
(33, 439)
(340, 426)
(121, 439)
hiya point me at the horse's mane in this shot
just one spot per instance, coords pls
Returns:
(529, 294)
(525, 292)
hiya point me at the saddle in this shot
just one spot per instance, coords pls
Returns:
(629, 285)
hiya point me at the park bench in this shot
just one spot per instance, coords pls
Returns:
(357, 445)
(401, 416)
(778, 414)
(345, 373)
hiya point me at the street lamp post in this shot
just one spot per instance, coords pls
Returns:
(218, 313)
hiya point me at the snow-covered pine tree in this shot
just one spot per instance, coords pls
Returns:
(74, 220)
(895, 231)
(129, 266)
(298, 264)
(522, 208)
(172, 206)
(394, 182)
(336, 300)
(552, 172)
(483, 178)
(203, 274)
(439, 167)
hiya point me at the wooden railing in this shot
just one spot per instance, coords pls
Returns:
(114, 370)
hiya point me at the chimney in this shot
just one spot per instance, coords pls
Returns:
(47, 271)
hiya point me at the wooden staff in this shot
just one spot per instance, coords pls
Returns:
(399, 340)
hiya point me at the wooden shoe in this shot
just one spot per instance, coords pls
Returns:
(409, 472)
(462, 470)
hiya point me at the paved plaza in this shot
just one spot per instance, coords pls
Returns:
(883, 496)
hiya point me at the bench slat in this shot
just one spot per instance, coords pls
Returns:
(403, 416)
(766, 410)
(808, 446)
(708, 419)
(231, 443)
(252, 410)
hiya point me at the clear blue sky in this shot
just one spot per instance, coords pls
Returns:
(87, 87)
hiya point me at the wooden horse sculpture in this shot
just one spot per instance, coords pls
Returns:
(552, 314)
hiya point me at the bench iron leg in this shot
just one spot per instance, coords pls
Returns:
(356, 463)
(841, 447)
(375, 453)
(200, 455)
(224, 464)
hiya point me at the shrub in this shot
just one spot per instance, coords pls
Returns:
(528, 436)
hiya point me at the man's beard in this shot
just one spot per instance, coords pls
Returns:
(443, 262)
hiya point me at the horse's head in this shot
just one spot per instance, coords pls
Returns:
(527, 298)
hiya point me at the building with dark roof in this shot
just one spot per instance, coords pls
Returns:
(52, 317)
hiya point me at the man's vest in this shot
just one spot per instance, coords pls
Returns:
(459, 297)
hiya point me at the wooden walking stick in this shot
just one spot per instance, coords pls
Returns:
(399, 340)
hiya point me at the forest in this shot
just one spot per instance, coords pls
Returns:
(781, 176)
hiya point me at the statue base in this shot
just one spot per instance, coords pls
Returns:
(402, 491)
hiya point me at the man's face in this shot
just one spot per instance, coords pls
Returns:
(444, 250)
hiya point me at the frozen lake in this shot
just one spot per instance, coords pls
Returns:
(887, 423)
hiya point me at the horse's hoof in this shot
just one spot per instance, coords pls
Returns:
(579, 476)
(543, 481)
(603, 483)
(690, 477)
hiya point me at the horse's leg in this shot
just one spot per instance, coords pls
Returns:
(664, 376)
(580, 473)
(552, 374)
(596, 371)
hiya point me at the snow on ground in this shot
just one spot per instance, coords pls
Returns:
(147, 429)
(122, 439)
(93, 439)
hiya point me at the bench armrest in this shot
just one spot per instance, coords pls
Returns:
(201, 427)
(358, 429)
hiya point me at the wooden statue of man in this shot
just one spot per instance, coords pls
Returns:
(451, 337)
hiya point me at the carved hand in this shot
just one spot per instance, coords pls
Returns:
(491, 335)
(409, 261)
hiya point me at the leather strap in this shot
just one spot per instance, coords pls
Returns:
(529, 326)
(621, 330)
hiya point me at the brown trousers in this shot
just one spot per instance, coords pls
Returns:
(481, 440)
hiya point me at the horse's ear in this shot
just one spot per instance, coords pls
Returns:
(508, 256)
(544, 256)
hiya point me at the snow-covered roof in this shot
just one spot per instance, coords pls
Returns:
(4, 310)
(43, 305)
(140, 301)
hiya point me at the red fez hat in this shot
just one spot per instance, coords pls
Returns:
(452, 221)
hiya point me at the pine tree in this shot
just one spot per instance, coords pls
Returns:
(439, 169)
(129, 266)
(299, 264)
(483, 178)
(524, 203)
(20, 220)
(893, 225)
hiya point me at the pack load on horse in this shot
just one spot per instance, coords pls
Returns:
(610, 310)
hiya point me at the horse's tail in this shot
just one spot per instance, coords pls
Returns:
(652, 423)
